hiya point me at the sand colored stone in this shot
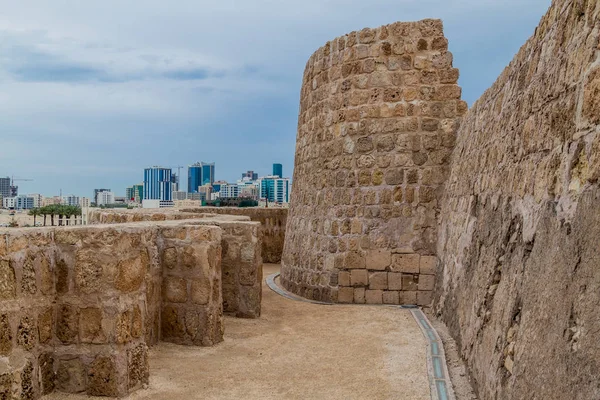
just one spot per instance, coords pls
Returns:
(287, 355)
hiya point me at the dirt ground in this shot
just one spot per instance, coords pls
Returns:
(296, 350)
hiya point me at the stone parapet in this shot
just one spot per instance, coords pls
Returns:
(80, 305)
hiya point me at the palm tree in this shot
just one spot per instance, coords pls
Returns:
(35, 212)
(44, 212)
(52, 210)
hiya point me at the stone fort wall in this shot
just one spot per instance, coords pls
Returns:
(79, 306)
(378, 115)
(272, 220)
(519, 276)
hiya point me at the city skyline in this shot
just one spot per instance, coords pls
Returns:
(127, 95)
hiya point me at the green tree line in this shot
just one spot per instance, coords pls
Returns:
(63, 212)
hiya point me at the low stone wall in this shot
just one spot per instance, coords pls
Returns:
(273, 221)
(519, 238)
(80, 305)
(242, 243)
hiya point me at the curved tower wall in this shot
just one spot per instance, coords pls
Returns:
(378, 115)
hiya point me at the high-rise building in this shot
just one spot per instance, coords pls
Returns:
(278, 170)
(71, 200)
(217, 186)
(194, 177)
(14, 191)
(24, 202)
(129, 194)
(251, 175)
(5, 187)
(275, 189)
(138, 193)
(174, 181)
(104, 198)
(229, 190)
(84, 202)
(179, 195)
(208, 173)
(96, 191)
(157, 184)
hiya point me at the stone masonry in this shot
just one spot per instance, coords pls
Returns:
(519, 278)
(379, 111)
(242, 243)
(79, 306)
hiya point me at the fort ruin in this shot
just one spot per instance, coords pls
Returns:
(488, 217)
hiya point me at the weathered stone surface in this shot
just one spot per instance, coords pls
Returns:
(131, 272)
(47, 375)
(6, 336)
(138, 366)
(376, 130)
(8, 282)
(519, 288)
(102, 378)
(90, 324)
(67, 324)
(71, 376)
(26, 333)
(175, 289)
(45, 325)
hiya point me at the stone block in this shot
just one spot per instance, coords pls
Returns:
(359, 295)
(355, 260)
(8, 288)
(26, 333)
(391, 297)
(408, 263)
(378, 259)
(249, 273)
(169, 257)
(345, 295)
(6, 335)
(172, 326)
(359, 277)
(344, 278)
(90, 323)
(67, 324)
(71, 375)
(123, 327)
(394, 281)
(175, 289)
(103, 377)
(47, 376)
(44, 325)
(426, 282)
(137, 323)
(428, 265)
(200, 291)
(138, 366)
(409, 298)
(131, 272)
(374, 296)
(409, 282)
(28, 278)
(378, 280)
(62, 276)
(424, 298)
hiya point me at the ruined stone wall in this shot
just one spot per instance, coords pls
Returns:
(273, 221)
(519, 277)
(378, 113)
(79, 305)
(242, 243)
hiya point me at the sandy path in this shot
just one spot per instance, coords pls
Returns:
(297, 350)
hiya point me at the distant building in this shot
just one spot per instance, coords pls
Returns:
(96, 191)
(275, 189)
(194, 177)
(48, 201)
(187, 203)
(14, 191)
(208, 173)
(278, 170)
(37, 200)
(217, 186)
(104, 198)
(138, 193)
(23, 202)
(8, 202)
(174, 182)
(206, 191)
(129, 193)
(251, 175)
(179, 195)
(157, 184)
(71, 200)
(84, 202)
(5, 187)
(229, 190)
(155, 203)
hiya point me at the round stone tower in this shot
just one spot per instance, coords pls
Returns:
(379, 110)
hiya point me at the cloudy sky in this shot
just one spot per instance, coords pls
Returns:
(91, 92)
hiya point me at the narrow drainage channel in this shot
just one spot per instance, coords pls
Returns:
(437, 370)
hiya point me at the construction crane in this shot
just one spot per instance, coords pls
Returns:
(14, 189)
(13, 179)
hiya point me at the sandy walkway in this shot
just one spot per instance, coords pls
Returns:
(297, 350)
